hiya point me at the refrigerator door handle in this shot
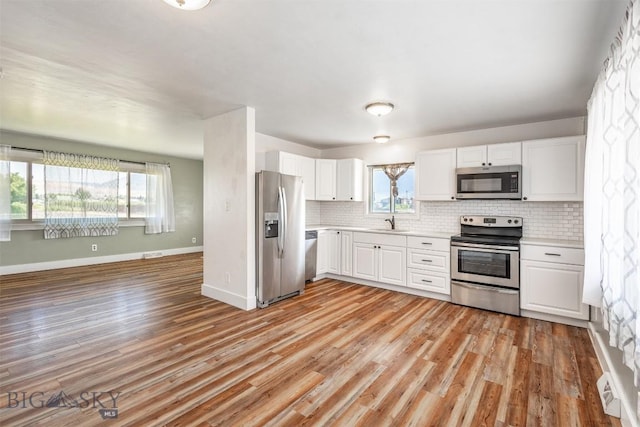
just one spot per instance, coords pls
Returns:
(280, 240)
(284, 216)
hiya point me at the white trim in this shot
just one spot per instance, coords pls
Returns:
(78, 262)
(554, 318)
(231, 298)
(627, 418)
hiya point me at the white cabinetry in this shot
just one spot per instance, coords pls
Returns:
(380, 258)
(428, 264)
(553, 169)
(349, 177)
(346, 253)
(328, 252)
(326, 179)
(293, 164)
(509, 153)
(551, 280)
(435, 174)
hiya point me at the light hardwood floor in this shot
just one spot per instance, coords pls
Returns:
(341, 354)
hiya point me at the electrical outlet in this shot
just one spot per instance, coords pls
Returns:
(94, 248)
(193, 240)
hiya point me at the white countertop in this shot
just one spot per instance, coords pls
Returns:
(575, 244)
(437, 234)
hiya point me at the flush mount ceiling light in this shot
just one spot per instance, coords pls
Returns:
(381, 139)
(378, 108)
(188, 4)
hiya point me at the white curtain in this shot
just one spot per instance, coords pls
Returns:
(81, 195)
(5, 194)
(160, 217)
(612, 193)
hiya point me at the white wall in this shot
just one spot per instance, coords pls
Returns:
(266, 143)
(229, 208)
(406, 149)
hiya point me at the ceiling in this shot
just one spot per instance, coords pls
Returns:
(143, 75)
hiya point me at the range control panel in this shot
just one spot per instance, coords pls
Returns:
(491, 221)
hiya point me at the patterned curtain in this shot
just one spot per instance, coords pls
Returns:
(159, 217)
(5, 194)
(394, 172)
(612, 194)
(81, 195)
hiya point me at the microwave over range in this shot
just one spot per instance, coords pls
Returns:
(489, 182)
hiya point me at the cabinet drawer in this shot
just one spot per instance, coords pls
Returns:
(380, 239)
(431, 260)
(552, 254)
(430, 243)
(429, 281)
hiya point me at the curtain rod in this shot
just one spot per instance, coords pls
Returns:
(391, 164)
(35, 150)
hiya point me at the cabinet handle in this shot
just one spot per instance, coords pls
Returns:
(551, 254)
(333, 198)
(351, 198)
(426, 281)
(427, 243)
(338, 232)
(452, 198)
(427, 260)
(489, 164)
(483, 164)
(524, 198)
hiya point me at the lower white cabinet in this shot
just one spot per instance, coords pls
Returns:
(380, 258)
(428, 264)
(328, 252)
(551, 281)
(346, 253)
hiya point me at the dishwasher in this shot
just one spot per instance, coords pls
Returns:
(311, 249)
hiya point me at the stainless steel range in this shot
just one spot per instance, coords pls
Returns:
(485, 263)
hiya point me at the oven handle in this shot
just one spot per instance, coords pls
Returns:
(493, 248)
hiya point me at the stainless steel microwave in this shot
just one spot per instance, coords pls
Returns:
(490, 182)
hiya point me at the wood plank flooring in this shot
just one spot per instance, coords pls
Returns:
(341, 354)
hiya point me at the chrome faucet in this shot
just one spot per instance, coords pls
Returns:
(392, 221)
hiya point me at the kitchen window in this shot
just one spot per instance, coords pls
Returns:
(381, 193)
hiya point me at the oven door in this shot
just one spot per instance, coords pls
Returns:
(486, 264)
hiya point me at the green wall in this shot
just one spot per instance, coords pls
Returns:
(29, 246)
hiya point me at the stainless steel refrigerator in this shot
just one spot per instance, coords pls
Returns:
(280, 227)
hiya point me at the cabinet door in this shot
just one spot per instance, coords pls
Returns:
(365, 261)
(346, 253)
(509, 153)
(470, 157)
(553, 169)
(325, 179)
(288, 164)
(435, 175)
(552, 288)
(349, 177)
(322, 254)
(333, 252)
(392, 267)
(307, 170)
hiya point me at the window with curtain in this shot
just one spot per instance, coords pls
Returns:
(391, 188)
(160, 217)
(80, 195)
(5, 194)
(612, 194)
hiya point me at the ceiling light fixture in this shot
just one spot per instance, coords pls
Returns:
(378, 108)
(188, 4)
(381, 139)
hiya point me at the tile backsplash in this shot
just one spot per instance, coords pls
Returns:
(552, 220)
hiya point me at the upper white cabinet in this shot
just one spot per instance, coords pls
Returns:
(509, 153)
(339, 179)
(553, 169)
(349, 178)
(436, 174)
(326, 179)
(293, 164)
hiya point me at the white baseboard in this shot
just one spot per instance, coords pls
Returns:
(628, 417)
(227, 297)
(78, 262)
(554, 318)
